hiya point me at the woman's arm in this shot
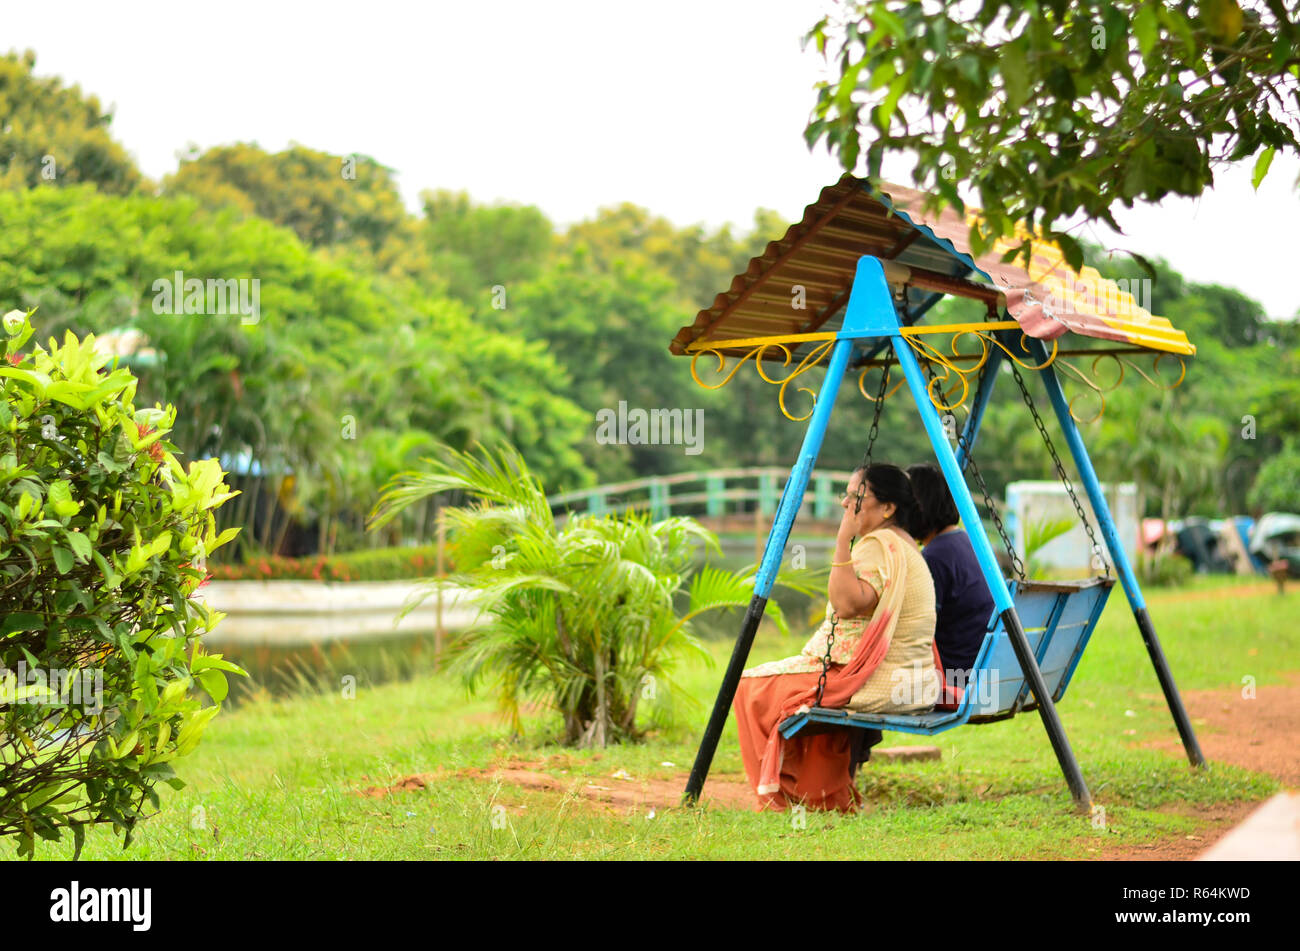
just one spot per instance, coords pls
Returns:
(850, 596)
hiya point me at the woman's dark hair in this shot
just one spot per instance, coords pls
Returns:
(930, 489)
(890, 484)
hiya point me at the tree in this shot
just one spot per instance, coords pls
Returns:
(349, 204)
(1277, 486)
(1174, 454)
(608, 333)
(701, 263)
(334, 363)
(477, 248)
(51, 134)
(653, 278)
(1063, 107)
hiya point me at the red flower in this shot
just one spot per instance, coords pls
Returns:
(15, 358)
(155, 450)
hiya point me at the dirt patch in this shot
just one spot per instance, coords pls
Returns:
(411, 783)
(618, 791)
(1216, 821)
(622, 792)
(1259, 734)
(1216, 594)
(625, 793)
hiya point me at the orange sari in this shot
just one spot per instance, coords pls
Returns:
(815, 770)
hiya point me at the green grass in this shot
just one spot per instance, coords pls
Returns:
(276, 778)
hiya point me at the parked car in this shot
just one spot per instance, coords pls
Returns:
(1276, 537)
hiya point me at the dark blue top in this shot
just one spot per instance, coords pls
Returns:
(963, 606)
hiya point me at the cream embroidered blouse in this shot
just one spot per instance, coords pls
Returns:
(906, 680)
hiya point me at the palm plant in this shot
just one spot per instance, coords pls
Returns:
(580, 616)
(1038, 535)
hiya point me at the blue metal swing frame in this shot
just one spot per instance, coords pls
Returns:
(1039, 659)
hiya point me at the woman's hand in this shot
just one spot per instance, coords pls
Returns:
(845, 532)
(849, 595)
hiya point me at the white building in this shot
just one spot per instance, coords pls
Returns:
(1030, 503)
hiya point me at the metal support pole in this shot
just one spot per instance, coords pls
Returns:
(971, 430)
(992, 574)
(1088, 476)
(791, 500)
(872, 351)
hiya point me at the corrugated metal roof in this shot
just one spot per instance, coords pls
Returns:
(820, 252)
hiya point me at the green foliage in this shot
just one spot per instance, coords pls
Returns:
(341, 381)
(1167, 446)
(381, 334)
(347, 203)
(627, 278)
(600, 328)
(700, 263)
(579, 616)
(1277, 487)
(1050, 111)
(1039, 534)
(374, 564)
(1164, 571)
(476, 248)
(103, 536)
(51, 134)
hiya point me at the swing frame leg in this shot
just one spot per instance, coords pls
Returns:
(791, 500)
(1123, 568)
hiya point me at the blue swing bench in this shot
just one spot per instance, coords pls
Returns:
(1058, 618)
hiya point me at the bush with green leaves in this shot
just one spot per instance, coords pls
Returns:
(1277, 486)
(103, 538)
(373, 564)
(1164, 571)
(580, 616)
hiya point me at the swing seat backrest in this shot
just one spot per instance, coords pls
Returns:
(1058, 618)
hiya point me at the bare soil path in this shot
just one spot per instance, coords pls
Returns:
(1259, 733)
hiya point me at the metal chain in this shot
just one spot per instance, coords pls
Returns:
(857, 507)
(1016, 564)
(1060, 469)
(826, 661)
(871, 436)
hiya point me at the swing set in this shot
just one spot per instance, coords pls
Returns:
(866, 263)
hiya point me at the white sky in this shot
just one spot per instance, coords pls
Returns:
(694, 110)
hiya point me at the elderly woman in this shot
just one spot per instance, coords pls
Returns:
(881, 603)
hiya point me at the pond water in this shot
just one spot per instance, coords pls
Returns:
(322, 667)
(325, 667)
